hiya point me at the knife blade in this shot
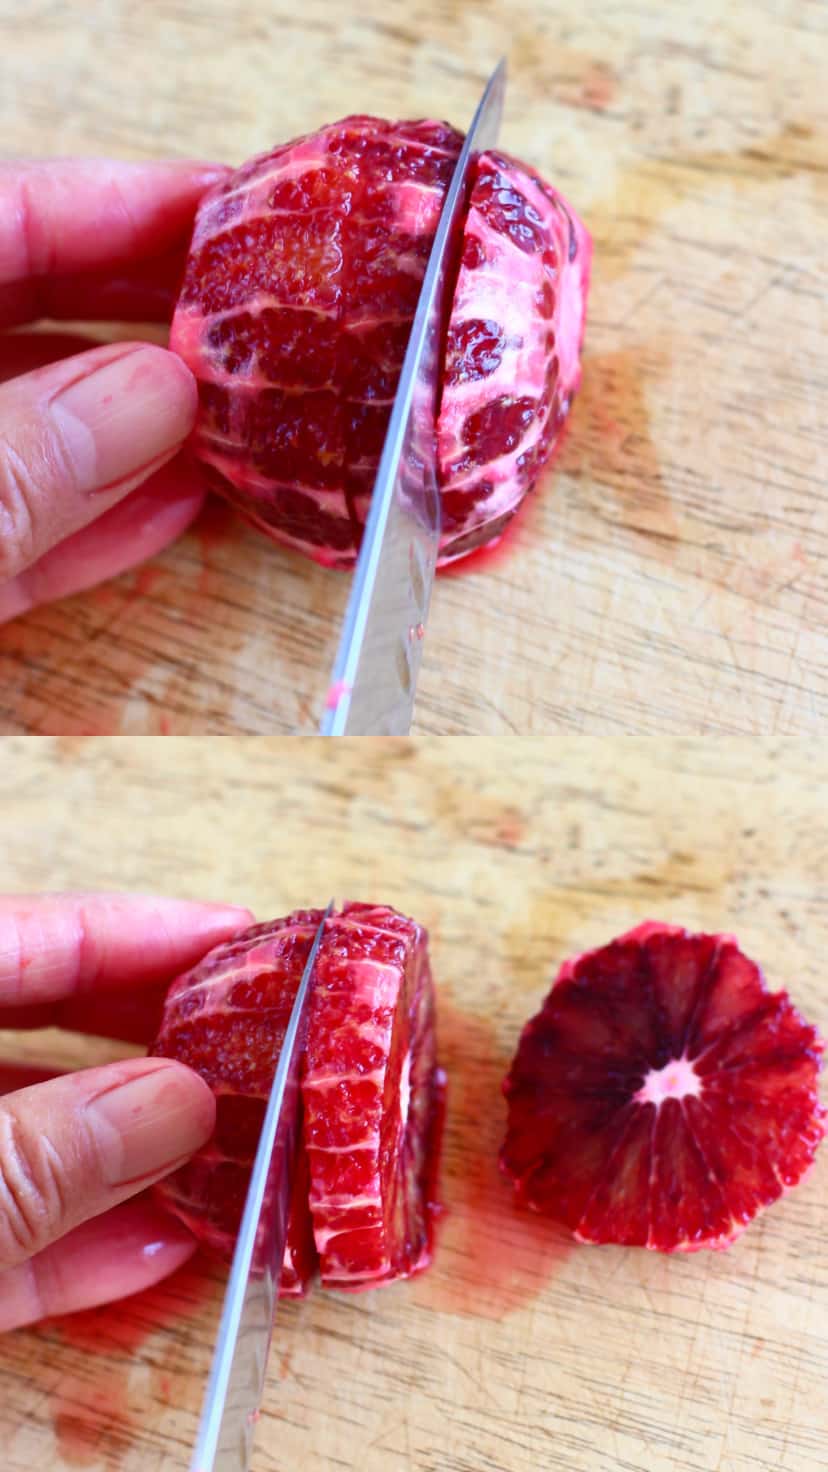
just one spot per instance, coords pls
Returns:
(234, 1388)
(374, 679)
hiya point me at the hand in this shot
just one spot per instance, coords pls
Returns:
(73, 1150)
(91, 240)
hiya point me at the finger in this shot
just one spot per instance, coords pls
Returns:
(75, 215)
(136, 529)
(72, 1148)
(140, 291)
(132, 1017)
(56, 946)
(78, 436)
(128, 1249)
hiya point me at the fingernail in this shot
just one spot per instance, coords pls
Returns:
(210, 173)
(150, 1122)
(228, 917)
(122, 415)
(129, 1248)
(205, 168)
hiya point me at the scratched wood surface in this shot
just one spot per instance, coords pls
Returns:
(518, 1350)
(670, 575)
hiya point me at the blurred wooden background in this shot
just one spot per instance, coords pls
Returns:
(518, 1350)
(670, 574)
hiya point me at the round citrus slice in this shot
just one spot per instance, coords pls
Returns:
(371, 1096)
(662, 1096)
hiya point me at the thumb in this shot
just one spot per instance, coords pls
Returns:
(74, 1147)
(79, 435)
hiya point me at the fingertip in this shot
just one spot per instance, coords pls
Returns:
(117, 416)
(197, 1099)
(204, 923)
(166, 1249)
(229, 918)
(157, 373)
(203, 172)
(128, 1249)
(143, 1118)
(162, 359)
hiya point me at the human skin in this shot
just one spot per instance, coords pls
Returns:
(78, 1150)
(92, 478)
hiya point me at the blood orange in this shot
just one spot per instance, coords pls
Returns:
(662, 1096)
(513, 350)
(226, 1018)
(361, 1203)
(296, 308)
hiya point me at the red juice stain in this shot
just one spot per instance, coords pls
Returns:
(213, 526)
(145, 579)
(492, 1257)
(614, 447)
(337, 692)
(597, 87)
(127, 1325)
(510, 828)
(305, 710)
(214, 530)
(95, 1416)
(92, 1420)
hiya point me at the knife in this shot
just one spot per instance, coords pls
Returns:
(375, 673)
(234, 1389)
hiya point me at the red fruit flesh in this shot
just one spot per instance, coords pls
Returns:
(296, 308)
(226, 1018)
(360, 1204)
(294, 315)
(369, 1096)
(662, 1096)
(513, 359)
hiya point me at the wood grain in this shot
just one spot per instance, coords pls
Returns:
(670, 574)
(518, 1350)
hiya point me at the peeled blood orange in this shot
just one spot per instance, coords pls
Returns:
(226, 1018)
(662, 1096)
(361, 1210)
(295, 311)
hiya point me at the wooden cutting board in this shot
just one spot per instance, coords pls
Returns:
(518, 1350)
(670, 574)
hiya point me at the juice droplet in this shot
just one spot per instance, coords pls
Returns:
(336, 692)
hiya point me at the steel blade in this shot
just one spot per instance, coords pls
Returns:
(236, 1382)
(375, 674)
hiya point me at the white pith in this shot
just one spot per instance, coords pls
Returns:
(405, 1089)
(676, 1080)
